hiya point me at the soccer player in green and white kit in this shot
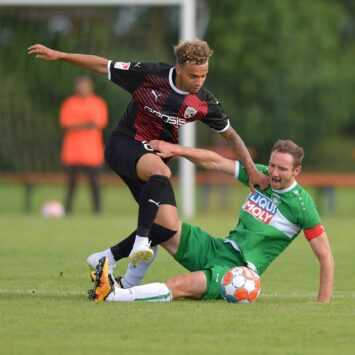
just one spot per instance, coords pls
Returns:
(269, 221)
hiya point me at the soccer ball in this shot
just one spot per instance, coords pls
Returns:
(240, 284)
(52, 209)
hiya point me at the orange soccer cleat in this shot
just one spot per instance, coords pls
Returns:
(103, 282)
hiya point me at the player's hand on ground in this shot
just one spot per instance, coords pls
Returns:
(43, 52)
(258, 178)
(164, 149)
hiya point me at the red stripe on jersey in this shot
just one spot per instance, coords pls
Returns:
(145, 96)
(153, 93)
(192, 101)
(147, 128)
(313, 232)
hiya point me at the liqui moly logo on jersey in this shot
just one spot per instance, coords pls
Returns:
(260, 207)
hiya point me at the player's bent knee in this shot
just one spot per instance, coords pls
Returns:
(164, 171)
(169, 222)
(149, 165)
(186, 285)
(177, 287)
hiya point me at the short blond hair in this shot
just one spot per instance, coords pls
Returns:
(194, 51)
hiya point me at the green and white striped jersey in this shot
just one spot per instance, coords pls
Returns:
(270, 220)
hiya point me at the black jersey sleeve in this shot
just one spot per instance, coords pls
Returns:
(130, 75)
(215, 118)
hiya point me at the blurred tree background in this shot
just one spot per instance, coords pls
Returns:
(288, 72)
(281, 69)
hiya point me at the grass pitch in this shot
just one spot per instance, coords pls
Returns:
(44, 284)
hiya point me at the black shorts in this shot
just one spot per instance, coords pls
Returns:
(122, 153)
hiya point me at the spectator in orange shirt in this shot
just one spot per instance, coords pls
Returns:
(83, 116)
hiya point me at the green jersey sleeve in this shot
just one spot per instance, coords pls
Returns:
(309, 216)
(242, 175)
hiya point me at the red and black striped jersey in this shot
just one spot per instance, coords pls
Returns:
(158, 108)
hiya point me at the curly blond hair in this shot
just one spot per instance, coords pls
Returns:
(194, 51)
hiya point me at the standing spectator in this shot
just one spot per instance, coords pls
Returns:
(83, 117)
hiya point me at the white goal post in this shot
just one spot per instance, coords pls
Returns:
(187, 31)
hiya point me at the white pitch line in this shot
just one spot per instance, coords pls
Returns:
(33, 292)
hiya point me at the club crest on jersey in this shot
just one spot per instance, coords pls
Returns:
(189, 112)
(260, 207)
(122, 65)
(276, 199)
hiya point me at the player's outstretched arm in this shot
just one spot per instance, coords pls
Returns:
(323, 252)
(90, 62)
(202, 157)
(242, 154)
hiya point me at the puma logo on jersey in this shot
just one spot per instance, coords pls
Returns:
(156, 95)
(189, 112)
(152, 201)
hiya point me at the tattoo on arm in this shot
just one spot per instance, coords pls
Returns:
(239, 148)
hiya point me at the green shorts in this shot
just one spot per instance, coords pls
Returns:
(198, 251)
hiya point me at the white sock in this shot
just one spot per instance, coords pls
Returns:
(135, 274)
(109, 255)
(139, 240)
(154, 292)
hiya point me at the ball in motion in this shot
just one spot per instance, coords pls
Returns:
(240, 285)
(52, 209)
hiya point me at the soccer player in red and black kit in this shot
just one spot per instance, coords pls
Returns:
(164, 97)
